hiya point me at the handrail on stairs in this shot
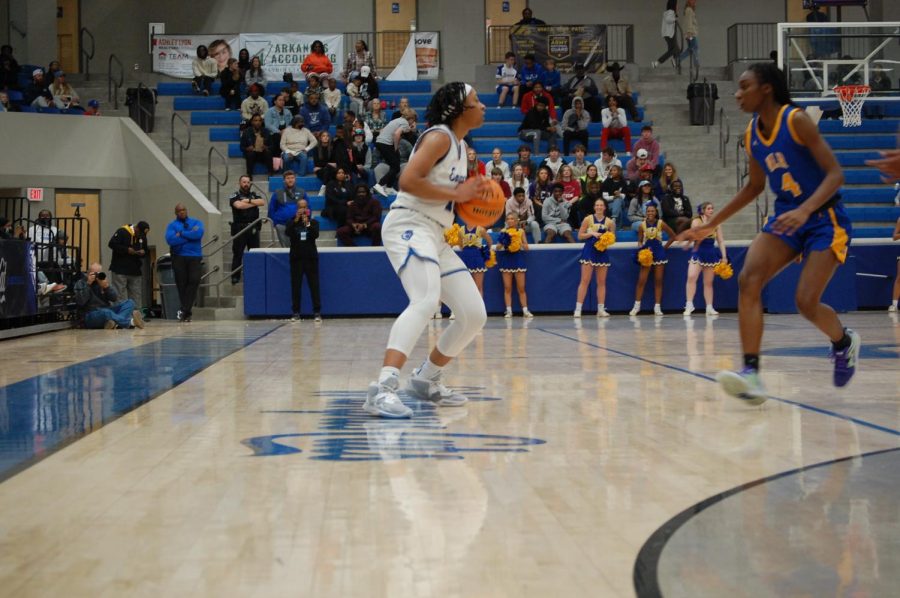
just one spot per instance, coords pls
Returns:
(210, 175)
(87, 56)
(112, 84)
(182, 147)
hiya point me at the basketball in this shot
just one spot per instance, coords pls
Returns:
(483, 211)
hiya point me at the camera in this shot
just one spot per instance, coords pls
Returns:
(101, 275)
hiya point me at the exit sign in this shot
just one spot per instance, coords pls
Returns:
(35, 194)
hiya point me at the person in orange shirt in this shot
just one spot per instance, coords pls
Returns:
(317, 62)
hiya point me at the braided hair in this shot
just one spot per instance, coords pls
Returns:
(768, 72)
(447, 104)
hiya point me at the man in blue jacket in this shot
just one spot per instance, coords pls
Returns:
(315, 114)
(283, 206)
(184, 238)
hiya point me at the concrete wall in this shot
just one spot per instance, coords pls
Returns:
(111, 156)
(38, 19)
(461, 23)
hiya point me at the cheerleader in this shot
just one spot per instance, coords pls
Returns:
(592, 259)
(473, 242)
(704, 257)
(511, 262)
(650, 234)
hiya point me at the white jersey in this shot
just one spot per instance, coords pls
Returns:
(449, 172)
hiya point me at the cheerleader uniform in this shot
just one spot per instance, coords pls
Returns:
(510, 261)
(653, 242)
(590, 255)
(706, 254)
(471, 254)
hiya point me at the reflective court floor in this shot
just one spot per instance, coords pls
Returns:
(596, 458)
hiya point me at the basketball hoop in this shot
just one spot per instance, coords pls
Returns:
(851, 98)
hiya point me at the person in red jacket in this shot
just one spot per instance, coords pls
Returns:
(538, 91)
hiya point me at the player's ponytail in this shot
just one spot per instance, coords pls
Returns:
(446, 104)
(768, 72)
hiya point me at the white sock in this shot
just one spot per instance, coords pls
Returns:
(601, 307)
(577, 306)
(689, 304)
(637, 304)
(132, 322)
(657, 306)
(895, 303)
(429, 370)
(388, 372)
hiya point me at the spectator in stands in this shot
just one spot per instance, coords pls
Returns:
(523, 208)
(283, 205)
(880, 83)
(537, 126)
(669, 19)
(317, 61)
(552, 81)
(615, 125)
(529, 99)
(636, 165)
(590, 194)
(5, 106)
(357, 59)
(676, 208)
(606, 161)
(333, 99)
(184, 236)
(497, 177)
(93, 108)
(45, 100)
(575, 124)
(517, 178)
(244, 61)
(615, 85)
(375, 118)
(354, 97)
(6, 229)
(387, 144)
(6, 52)
(315, 114)
(314, 84)
(43, 236)
(100, 303)
(555, 213)
(368, 86)
(220, 50)
(637, 209)
(254, 73)
(294, 97)
(34, 89)
(507, 80)
(690, 34)
(302, 230)
(616, 191)
(255, 104)
(541, 190)
(474, 167)
(296, 143)
(528, 18)
(277, 119)
(669, 175)
(256, 142)
(245, 204)
(553, 161)
(205, 71)
(52, 68)
(9, 76)
(651, 145)
(129, 248)
(324, 160)
(572, 190)
(591, 175)
(351, 156)
(530, 73)
(63, 93)
(230, 85)
(363, 218)
(579, 164)
(338, 193)
(497, 161)
(583, 86)
(528, 165)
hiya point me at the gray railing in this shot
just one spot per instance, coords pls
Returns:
(86, 57)
(751, 41)
(724, 136)
(210, 175)
(182, 147)
(619, 43)
(228, 274)
(113, 85)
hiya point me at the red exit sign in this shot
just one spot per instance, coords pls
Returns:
(35, 194)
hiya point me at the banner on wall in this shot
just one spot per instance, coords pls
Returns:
(566, 44)
(279, 52)
(17, 296)
(420, 60)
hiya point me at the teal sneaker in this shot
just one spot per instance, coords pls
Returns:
(744, 385)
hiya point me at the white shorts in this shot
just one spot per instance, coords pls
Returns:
(408, 234)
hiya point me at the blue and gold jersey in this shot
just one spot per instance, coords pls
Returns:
(793, 173)
(470, 237)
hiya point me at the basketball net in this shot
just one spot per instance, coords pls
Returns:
(851, 98)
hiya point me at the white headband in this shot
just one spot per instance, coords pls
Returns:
(468, 89)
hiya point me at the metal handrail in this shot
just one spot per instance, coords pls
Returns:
(87, 56)
(113, 86)
(212, 240)
(707, 104)
(15, 27)
(724, 136)
(210, 177)
(260, 220)
(144, 114)
(182, 147)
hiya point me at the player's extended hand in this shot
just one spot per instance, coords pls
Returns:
(888, 164)
(789, 222)
(476, 186)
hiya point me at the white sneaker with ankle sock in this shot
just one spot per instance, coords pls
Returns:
(508, 313)
(657, 310)
(601, 311)
(688, 308)
(527, 314)
(636, 309)
(710, 311)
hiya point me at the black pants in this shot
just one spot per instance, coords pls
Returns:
(309, 267)
(253, 157)
(672, 50)
(579, 136)
(187, 281)
(249, 240)
(204, 84)
(390, 157)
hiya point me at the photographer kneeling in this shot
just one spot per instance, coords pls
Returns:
(97, 298)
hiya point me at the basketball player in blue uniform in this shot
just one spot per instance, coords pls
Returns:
(809, 223)
(430, 271)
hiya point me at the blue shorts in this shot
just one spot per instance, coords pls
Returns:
(827, 229)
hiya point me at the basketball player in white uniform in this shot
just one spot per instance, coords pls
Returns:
(429, 269)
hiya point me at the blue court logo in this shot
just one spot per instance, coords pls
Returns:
(347, 433)
(407, 235)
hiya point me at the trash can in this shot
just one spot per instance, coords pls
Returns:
(168, 292)
(146, 101)
(696, 93)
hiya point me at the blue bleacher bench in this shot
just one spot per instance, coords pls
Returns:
(184, 88)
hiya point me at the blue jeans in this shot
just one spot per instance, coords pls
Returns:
(120, 314)
(615, 210)
(692, 48)
(296, 163)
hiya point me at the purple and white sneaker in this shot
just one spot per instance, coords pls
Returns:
(845, 361)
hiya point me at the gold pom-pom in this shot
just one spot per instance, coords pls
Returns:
(515, 240)
(604, 241)
(724, 270)
(645, 257)
(491, 261)
(453, 235)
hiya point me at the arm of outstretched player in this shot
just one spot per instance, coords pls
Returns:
(809, 135)
(720, 239)
(484, 235)
(431, 148)
(888, 164)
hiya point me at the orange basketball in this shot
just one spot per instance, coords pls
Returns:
(483, 211)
